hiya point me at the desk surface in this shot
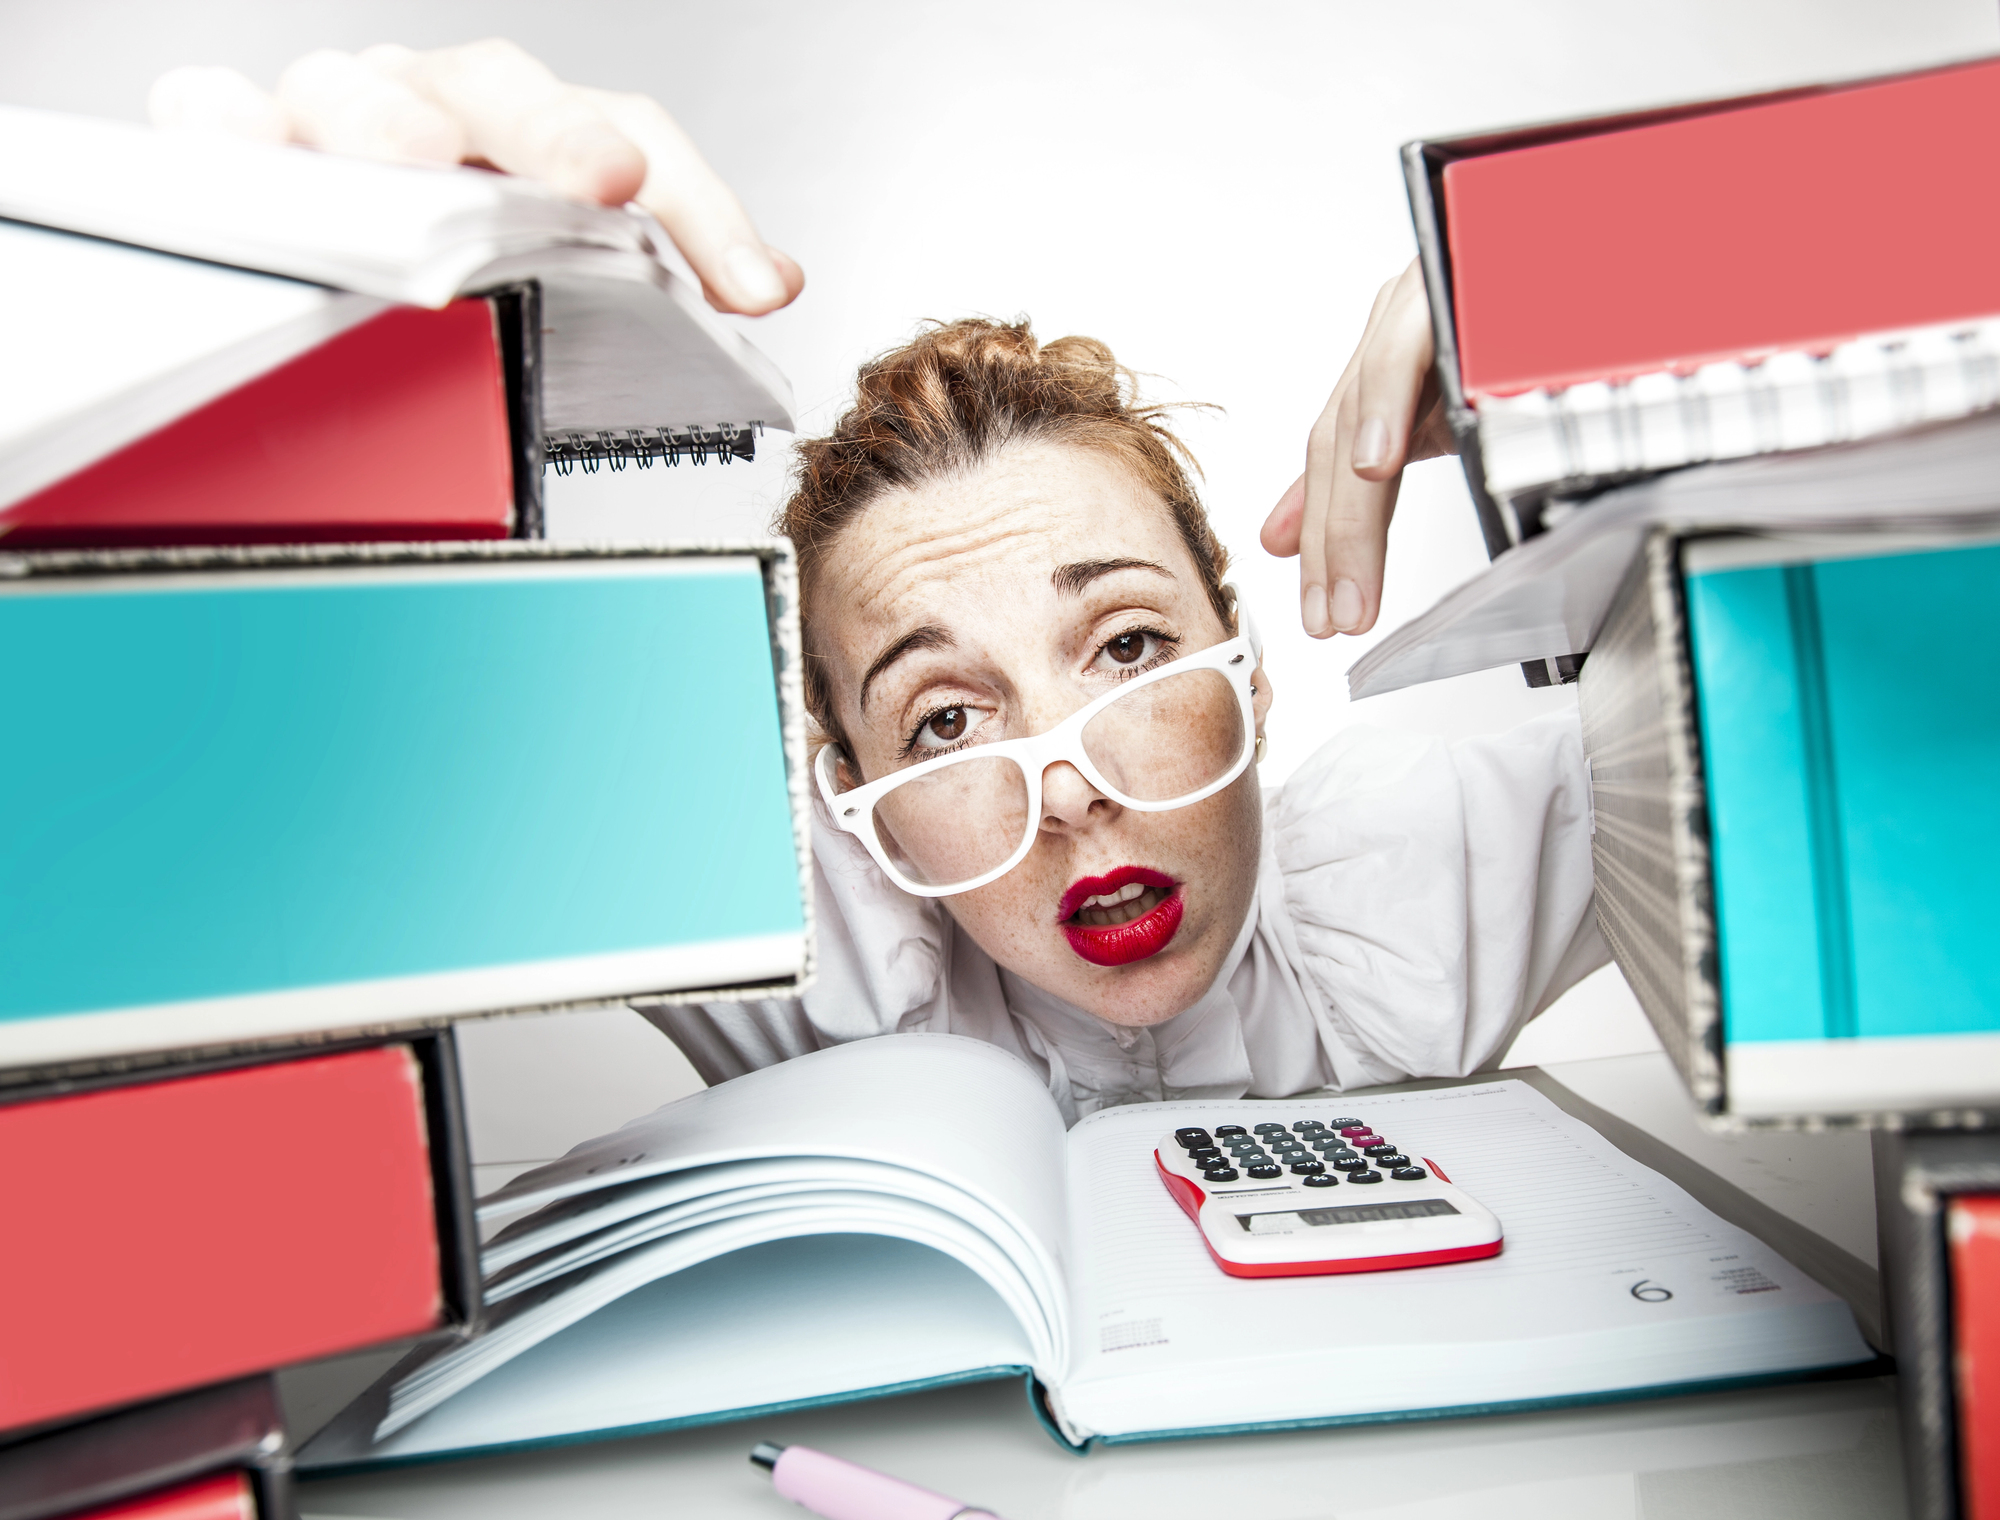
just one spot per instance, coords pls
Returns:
(1826, 1450)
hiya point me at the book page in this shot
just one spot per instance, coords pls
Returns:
(945, 1143)
(1611, 1277)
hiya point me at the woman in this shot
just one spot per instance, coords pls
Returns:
(999, 537)
(995, 542)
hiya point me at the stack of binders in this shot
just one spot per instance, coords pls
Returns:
(1726, 382)
(318, 747)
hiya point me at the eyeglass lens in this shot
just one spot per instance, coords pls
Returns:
(1161, 741)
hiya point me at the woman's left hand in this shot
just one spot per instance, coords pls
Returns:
(1384, 414)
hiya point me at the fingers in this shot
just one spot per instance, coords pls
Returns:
(702, 215)
(518, 116)
(1280, 534)
(337, 102)
(216, 100)
(1393, 375)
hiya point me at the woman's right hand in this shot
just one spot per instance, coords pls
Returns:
(1384, 413)
(491, 103)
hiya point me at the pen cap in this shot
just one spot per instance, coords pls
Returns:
(843, 1491)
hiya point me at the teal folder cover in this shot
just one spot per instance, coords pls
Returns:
(1851, 738)
(258, 799)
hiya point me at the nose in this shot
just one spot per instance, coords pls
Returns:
(1070, 803)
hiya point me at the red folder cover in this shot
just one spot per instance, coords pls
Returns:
(1790, 225)
(175, 1233)
(395, 429)
(1975, 1294)
(223, 1497)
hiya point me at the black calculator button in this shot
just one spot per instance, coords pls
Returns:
(1384, 1149)
(1409, 1174)
(1391, 1163)
(1270, 1129)
(1341, 1123)
(1364, 1176)
(1207, 1156)
(1265, 1171)
(1191, 1138)
(1349, 1164)
(1307, 1168)
(1326, 1179)
(1220, 1174)
(1224, 1131)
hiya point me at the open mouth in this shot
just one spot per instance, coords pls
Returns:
(1121, 917)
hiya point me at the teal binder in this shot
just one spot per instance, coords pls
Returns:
(1849, 713)
(270, 793)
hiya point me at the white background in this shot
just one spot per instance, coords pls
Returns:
(1212, 189)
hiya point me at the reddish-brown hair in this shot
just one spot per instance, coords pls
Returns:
(950, 398)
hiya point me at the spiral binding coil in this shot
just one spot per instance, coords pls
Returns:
(617, 447)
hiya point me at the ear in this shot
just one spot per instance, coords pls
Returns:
(1261, 695)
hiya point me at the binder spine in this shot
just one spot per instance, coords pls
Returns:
(588, 449)
(1650, 846)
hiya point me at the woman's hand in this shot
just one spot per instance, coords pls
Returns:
(1385, 413)
(490, 102)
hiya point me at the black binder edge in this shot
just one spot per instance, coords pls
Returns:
(1916, 1175)
(227, 1427)
(517, 321)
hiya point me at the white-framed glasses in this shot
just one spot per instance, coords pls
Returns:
(1162, 740)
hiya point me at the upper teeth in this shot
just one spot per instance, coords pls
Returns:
(1112, 899)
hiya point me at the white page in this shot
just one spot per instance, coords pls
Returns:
(1553, 1315)
(106, 343)
(936, 1140)
(780, 1323)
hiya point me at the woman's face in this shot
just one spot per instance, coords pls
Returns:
(993, 606)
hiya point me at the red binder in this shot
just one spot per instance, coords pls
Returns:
(223, 1497)
(179, 1232)
(395, 429)
(1974, 1233)
(1742, 230)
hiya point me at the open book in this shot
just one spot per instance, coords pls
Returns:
(908, 1211)
(167, 268)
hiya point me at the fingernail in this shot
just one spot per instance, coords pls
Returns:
(1371, 444)
(1346, 605)
(753, 275)
(1314, 612)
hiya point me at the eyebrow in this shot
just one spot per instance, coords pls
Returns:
(1071, 579)
(930, 636)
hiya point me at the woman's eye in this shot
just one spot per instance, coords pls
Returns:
(946, 727)
(1127, 650)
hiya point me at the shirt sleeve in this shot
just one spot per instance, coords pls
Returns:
(879, 970)
(1440, 893)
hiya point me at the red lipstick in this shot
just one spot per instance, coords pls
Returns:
(1134, 940)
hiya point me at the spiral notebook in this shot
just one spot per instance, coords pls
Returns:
(172, 270)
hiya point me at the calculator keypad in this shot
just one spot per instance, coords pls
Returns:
(1316, 1152)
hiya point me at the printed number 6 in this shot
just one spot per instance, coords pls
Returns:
(1649, 1292)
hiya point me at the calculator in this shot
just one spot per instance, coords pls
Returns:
(1313, 1196)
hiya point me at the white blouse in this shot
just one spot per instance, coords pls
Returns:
(1417, 903)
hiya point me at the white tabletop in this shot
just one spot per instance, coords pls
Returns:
(1826, 1450)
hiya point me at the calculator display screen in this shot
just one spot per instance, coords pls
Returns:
(1277, 1222)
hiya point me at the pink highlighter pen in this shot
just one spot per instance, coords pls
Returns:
(840, 1490)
